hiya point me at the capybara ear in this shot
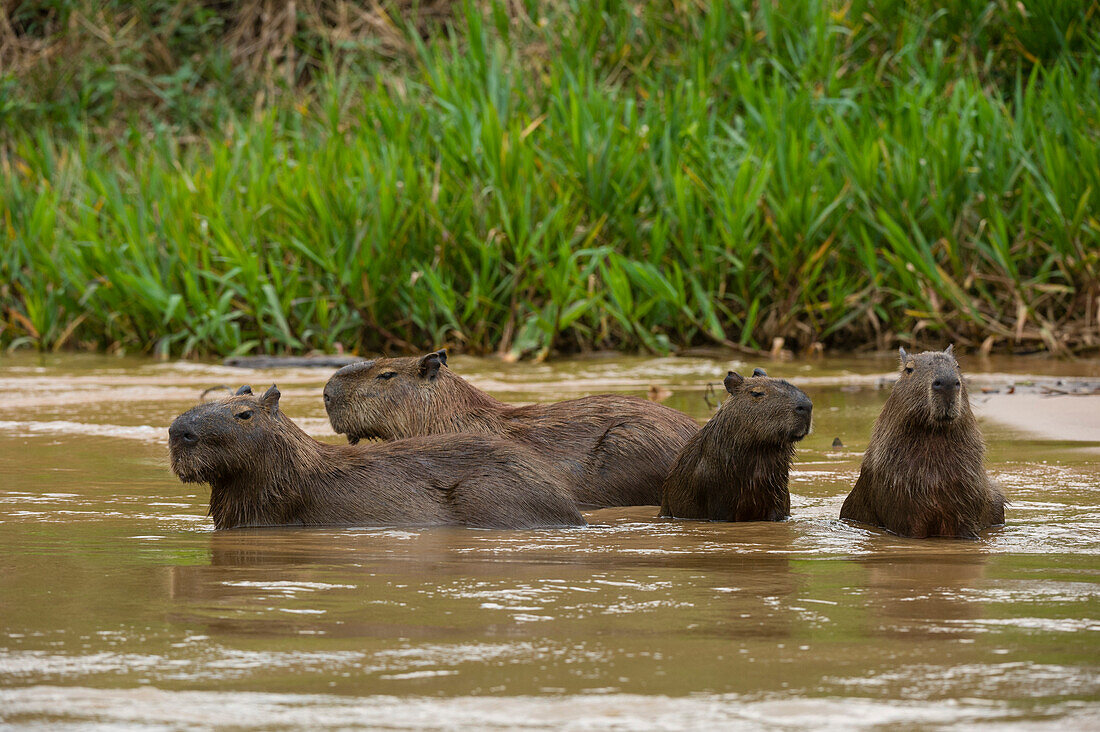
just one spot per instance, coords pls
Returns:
(270, 399)
(429, 365)
(442, 353)
(903, 355)
(759, 372)
(732, 381)
(246, 389)
(950, 350)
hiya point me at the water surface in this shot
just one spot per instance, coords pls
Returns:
(120, 605)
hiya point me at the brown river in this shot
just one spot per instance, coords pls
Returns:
(120, 607)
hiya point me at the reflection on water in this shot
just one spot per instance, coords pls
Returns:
(911, 596)
(119, 605)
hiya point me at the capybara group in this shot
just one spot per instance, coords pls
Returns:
(737, 466)
(616, 449)
(265, 471)
(922, 474)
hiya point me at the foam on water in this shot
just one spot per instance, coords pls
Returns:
(150, 708)
(145, 433)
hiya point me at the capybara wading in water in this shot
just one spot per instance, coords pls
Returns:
(617, 449)
(736, 467)
(922, 474)
(264, 471)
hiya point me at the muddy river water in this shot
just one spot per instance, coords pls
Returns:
(120, 606)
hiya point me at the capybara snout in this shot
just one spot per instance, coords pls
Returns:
(182, 439)
(182, 431)
(335, 396)
(184, 449)
(803, 416)
(945, 389)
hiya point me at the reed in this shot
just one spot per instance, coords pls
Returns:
(533, 177)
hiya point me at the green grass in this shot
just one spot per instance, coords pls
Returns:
(609, 174)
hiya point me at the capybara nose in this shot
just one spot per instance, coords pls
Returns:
(804, 407)
(181, 432)
(332, 391)
(945, 384)
(183, 435)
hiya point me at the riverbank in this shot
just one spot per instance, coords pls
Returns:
(626, 176)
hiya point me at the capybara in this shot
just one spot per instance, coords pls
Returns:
(922, 474)
(736, 468)
(265, 471)
(616, 448)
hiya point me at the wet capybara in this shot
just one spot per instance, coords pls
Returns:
(736, 468)
(922, 474)
(616, 448)
(265, 471)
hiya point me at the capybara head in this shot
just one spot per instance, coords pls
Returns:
(764, 410)
(223, 438)
(387, 398)
(929, 389)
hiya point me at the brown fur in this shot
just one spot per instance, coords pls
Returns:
(617, 449)
(736, 468)
(264, 471)
(922, 474)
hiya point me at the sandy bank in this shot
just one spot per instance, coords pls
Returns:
(1075, 418)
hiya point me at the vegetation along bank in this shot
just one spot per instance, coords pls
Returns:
(525, 177)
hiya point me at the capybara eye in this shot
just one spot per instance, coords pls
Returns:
(757, 393)
(246, 414)
(908, 369)
(387, 375)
